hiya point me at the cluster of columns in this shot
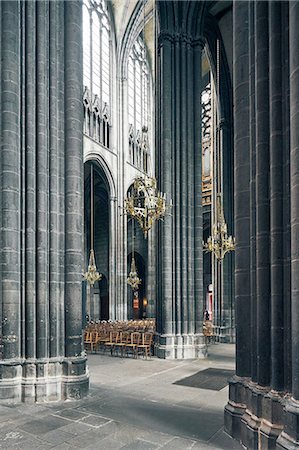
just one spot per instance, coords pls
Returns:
(263, 407)
(41, 222)
(179, 167)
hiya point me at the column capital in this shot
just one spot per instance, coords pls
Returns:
(166, 36)
(199, 41)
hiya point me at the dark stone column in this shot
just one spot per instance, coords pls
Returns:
(165, 159)
(73, 179)
(252, 196)
(30, 180)
(177, 193)
(191, 180)
(41, 192)
(237, 398)
(179, 170)
(54, 288)
(294, 126)
(276, 176)
(10, 263)
(286, 199)
(60, 44)
(183, 204)
(262, 194)
(242, 193)
(42, 179)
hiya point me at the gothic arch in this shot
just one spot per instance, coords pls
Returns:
(100, 160)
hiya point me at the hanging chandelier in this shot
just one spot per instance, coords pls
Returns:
(219, 243)
(145, 203)
(133, 280)
(92, 275)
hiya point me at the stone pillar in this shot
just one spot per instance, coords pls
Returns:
(252, 138)
(262, 194)
(289, 438)
(55, 169)
(242, 193)
(276, 176)
(41, 197)
(165, 177)
(177, 192)
(10, 294)
(294, 117)
(30, 187)
(192, 180)
(236, 405)
(42, 179)
(74, 178)
(112, 253)
(272, 411)
(263, 280)
(180, 302)
(286, 199)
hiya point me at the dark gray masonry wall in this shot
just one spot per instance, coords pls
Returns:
(41, 201)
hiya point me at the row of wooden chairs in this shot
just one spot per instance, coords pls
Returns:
(145, 325)
(120, 342)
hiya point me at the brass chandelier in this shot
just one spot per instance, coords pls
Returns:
(92, 275)
(133, 280)
(219, 243)
(145, 203)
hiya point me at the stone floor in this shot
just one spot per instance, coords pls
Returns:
(133, 405)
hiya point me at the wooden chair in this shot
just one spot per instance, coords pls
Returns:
(146, 345)
(133, 344)
(90, 340)
(104, 336)
(87, 340)
(114, 339)
(124, 340)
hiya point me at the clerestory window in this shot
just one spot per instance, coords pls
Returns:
(97, 70)
(138, 105)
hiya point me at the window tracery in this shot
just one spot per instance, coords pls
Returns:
(138, 106)
(97, 71)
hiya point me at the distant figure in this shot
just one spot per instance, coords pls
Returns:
(206, 315)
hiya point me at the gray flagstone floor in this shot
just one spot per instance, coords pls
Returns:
(132, 405)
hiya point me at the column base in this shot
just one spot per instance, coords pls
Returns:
(271, 423)
(289, 437)
(43, 380)
(236, 407)
(254, 415)
(185, 346)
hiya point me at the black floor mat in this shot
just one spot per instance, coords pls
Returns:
(213, 379)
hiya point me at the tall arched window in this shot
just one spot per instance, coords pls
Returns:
(97, 70)
(138, 105)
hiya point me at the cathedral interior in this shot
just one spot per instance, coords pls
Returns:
(149, 224)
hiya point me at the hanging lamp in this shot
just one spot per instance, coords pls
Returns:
(219, 243)
(133, 280)
(92, 275)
